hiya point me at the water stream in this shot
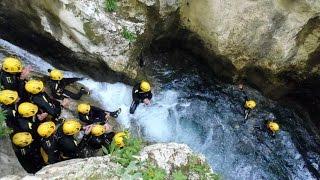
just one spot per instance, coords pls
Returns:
(190, 106)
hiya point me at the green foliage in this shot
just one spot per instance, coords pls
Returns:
(130, 36)
(178, 175)
(4, 130)
(110, 5)
(154, 173)
(197, 166)
(126, 154)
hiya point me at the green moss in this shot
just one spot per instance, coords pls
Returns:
(110, 5)
(4, 130)
(130, 36)
(93, 37)
(154, 173)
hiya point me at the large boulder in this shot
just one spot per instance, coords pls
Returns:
(169, 157)
(273, 37)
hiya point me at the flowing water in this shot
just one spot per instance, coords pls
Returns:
(190, 106)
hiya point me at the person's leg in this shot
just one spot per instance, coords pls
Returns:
(116, 113)
(69, 94)
(133, 106)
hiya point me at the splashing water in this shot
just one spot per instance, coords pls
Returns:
(209, 118)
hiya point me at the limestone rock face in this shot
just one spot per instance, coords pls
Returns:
(86, 29)
(275, 35)
(167, 156)
(9, 162)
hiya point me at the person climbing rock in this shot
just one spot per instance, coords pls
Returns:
(42, 100)
(91, 114)
(272, 126)
(8, 99)
(57, 84)
(48, 142)
(141, 93)
(249, 104)
(27, 152)
(13, 75)
(67, 144)
(99, 137)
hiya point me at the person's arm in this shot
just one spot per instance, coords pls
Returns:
(41, 103)
(67, 81)
(135, 92)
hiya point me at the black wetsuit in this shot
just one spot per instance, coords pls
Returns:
(28, 125)
(247, 110)
(11, 115)
(50, 147)
(58, 89)
(29, 157)
(46, 104)
(69, 147)
(96, 115)
(96, 142)
(13, 82)
(138, 96)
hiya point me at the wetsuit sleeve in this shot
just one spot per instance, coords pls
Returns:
(40, 101)
(135, 92)
(67, 81)
(85, 118)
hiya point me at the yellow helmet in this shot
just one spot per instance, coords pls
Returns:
(119, 139)
(27, 109)
(145, 86)
(273, 126)
(84, 108)
(34, 86)
(71, 127)
(46, 129)
(251, 104)
(22, 139)
(8, 97)
(11, 65)
(98, 130)
(56, 74)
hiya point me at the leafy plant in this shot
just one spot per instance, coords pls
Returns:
(110, 5)
(154, 173)
(130, 36)
(126, 154)
(178, 175)
(4, 130)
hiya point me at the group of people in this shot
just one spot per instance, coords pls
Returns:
(249, 104)
(40, 135)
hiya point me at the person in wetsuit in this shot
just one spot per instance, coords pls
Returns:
(98, 137)
(48, 142)
(42, 99)
(249, 104)
(141, 93)
(27, 151)
(67, 144)
(8, 99)
(91, 114)
(57, 84)
(28, 120)
(13, 75)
